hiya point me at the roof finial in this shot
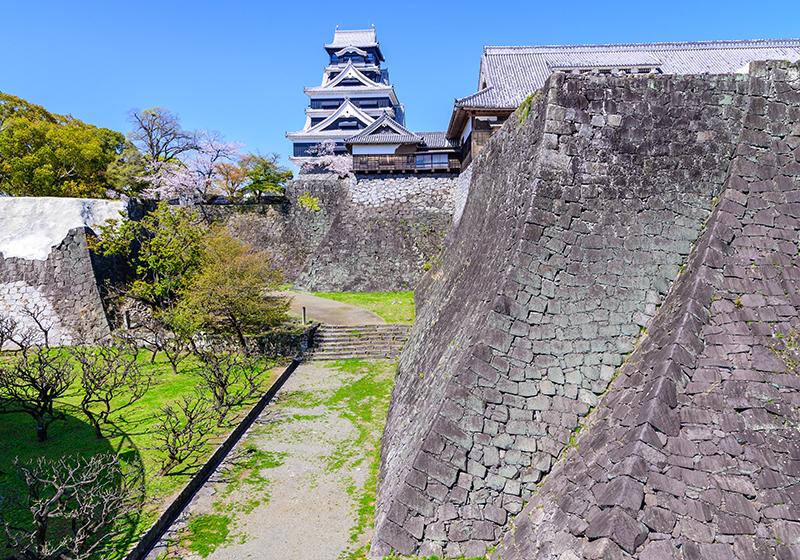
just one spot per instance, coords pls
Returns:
(337, 28)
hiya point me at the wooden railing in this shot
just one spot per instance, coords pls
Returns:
(405, 162)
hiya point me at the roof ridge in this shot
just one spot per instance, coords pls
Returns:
(488, 49)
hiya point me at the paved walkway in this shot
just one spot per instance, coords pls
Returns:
(331, 312)
(291, 488)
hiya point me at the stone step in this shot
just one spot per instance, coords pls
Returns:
(342, 342)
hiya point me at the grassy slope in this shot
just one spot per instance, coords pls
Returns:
(393, 307)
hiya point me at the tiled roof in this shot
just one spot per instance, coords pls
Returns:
(437, 139)
(516, 72)
(400, 134)
(353, 38)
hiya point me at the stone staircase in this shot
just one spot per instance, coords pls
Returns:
(342, 342)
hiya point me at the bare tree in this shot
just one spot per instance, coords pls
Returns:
(77, 505)
(8, 329)
(36, 313)
(166, 332)
(111, 380)
(231, 379)
(32, 385)
(182, 431)
(158, 134)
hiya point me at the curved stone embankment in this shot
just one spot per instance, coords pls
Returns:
(576, 226)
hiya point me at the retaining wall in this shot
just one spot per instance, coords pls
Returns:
(693, 452)
(577, 222)
(290, 232)
(46, 267)
(388, 230)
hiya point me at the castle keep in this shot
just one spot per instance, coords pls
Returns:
(354, 93)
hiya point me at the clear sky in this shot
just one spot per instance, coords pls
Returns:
(239, 66)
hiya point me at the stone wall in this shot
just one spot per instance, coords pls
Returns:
(389, 230)
(693, 452)
(577, 222)
(63, 292)
(288, 231)
(46, 267)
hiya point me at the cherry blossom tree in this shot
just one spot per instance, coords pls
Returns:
(191, 176)
(324, 160)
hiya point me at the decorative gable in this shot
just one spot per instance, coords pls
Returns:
(346, 113)
(351, 77)
(385, 130)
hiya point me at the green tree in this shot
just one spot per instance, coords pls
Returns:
(44, 154)
(163, 252)
(265, 174)
(124, 174)
(232, 290)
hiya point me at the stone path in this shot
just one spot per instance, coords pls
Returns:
(292, 486)
(331, 312)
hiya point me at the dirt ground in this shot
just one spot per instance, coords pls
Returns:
(300, 484)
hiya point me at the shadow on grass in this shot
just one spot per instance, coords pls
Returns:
(71, 437)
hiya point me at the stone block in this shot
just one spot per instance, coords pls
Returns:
(436, 470)
(618, 526)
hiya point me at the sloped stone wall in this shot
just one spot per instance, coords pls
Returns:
(388, 229)
(578, 221)
(62, 291)
(693, 453)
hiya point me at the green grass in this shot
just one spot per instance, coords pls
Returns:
(393, 307)
(130, 434)
(206, 532)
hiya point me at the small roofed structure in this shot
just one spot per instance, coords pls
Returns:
(354, 93)
(388, 147)
(510, 74)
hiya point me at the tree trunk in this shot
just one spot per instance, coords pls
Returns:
(41, 430)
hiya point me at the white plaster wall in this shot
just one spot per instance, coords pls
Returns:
(466, 132)
(31, 226)
(371, 149)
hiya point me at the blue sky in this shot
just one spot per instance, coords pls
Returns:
(240, 66)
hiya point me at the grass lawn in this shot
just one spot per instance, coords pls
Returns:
(393, 307)
(130, 434)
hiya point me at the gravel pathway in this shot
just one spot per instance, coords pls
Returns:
(292, 486)
(331, 312)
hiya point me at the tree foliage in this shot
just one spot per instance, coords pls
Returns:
(265, 174)
(45, 154)
(231, 292)
(125, 174)
(163, 250)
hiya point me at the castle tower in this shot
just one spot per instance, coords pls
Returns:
(354, 93)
